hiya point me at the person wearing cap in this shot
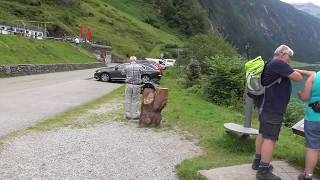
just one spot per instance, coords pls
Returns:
(275, 101)
(133, 80)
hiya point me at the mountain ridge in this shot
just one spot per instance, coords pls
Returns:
(309, 8)
(266, 25)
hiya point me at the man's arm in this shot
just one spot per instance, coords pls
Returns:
(285, 70)
(305, 73)
(306, 93)
(296, 76)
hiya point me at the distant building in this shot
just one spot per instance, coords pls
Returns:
(27, 32)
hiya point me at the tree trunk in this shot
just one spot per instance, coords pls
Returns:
(153, 103)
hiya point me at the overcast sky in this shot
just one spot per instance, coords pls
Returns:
(317, 2)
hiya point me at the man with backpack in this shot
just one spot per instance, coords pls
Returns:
(275, 78)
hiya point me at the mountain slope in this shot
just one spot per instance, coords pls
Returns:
(265, 25)
(309, 8)
(126, 33)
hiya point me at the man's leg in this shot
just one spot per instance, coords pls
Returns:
(135, 101)
(128, 100)
(267, 150)
(270, 128)
(259, 141)
(256, 161)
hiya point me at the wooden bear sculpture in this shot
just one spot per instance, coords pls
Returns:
(154, 100)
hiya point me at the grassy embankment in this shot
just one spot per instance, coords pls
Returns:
(119, 23)
(19, 50)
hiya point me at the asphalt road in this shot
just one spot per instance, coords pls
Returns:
(27, 100)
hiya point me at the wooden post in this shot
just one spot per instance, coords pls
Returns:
(154, 100)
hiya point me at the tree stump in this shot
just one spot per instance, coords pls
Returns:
(154, 100)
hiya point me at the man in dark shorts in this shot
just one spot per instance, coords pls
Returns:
(273, 107)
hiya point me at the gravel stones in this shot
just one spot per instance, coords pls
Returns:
(112, 150)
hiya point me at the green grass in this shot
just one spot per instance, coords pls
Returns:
(19, 50)
(204, 121)
(126, 32)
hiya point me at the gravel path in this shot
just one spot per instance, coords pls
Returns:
(112, 150)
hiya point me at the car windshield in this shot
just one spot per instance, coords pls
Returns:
(122, 66)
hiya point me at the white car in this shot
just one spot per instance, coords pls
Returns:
(170, 62)
(159, 61)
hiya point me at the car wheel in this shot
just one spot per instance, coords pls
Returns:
(105, 77)
(145, 78)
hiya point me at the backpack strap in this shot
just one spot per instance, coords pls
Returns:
(268, 86)
(264, 94)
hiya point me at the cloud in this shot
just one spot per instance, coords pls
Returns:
(317, 2)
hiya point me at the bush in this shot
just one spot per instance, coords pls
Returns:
(295, 112)
(176, 72)
(193, 73)
(152, 21)
(225, 82)
(102, 20)
(185, 15)
(168, 46)
(207, 45)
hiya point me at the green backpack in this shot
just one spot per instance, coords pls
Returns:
(254, 69)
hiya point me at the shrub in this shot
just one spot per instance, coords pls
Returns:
(176, 72)
(295, 112)
(102, 20)
(225, 82)
(167, 46)
(68, 3)
(185, 15)
(207, 45)
(152, 21)
(193, 73)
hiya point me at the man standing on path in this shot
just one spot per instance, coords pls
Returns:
(133, 79)
(274, 105)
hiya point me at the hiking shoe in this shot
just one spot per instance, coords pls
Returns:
(256, 163)
(303, 177)
(264, 173)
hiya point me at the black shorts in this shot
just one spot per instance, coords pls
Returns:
(270, 125)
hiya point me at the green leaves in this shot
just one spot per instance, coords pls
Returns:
(185, 15)
(226, 80)
(295, 112)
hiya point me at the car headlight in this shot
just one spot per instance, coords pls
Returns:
(97, 71)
